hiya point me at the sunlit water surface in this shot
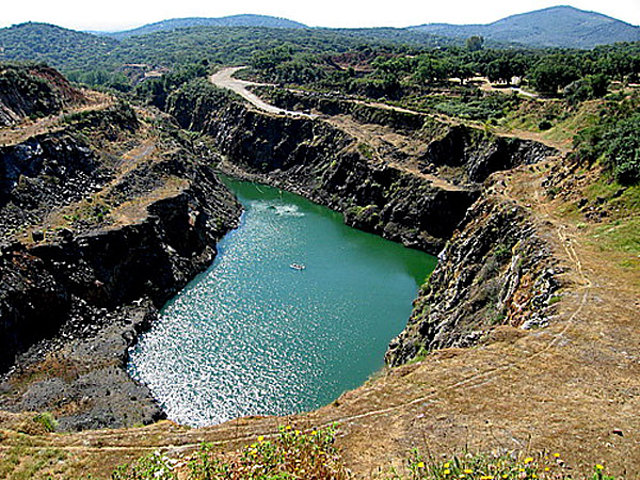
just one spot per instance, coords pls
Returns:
(251, 336)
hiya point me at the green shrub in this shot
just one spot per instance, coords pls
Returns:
(622, 150)
(615, 140)
(47, 420)
(365, 150)
(155, 466)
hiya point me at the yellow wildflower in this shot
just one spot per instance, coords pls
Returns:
(447, 465)
(314, 432)
(486, 477)
(261, 438)
(297, 432)
(468, 470)
(446, 471)
(288, 427)
(420, 464)
(546, 469)
(599, 467)
(557, 455)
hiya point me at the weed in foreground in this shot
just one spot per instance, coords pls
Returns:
(508, 466)
(47, 420)
(289, 455)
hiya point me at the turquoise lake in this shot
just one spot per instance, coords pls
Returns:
(252, 336)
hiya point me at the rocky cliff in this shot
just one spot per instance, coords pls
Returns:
(473, 154)
(102, 223)
(325, 164)
(33, 91)
(332, 166)
(106, 216)
(495, 271)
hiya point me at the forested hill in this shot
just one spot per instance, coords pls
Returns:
(122, 63)
(72, 51)
(230, 21)
(57, 46)
(561, 26)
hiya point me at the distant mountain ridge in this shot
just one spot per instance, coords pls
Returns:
(561, 26)
(236, 38)
(245, 20)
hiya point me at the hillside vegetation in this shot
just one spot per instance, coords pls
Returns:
(121, 59)
(56, 46)
(33, 91)
(561, 26)
(230, 21)
(101, 60)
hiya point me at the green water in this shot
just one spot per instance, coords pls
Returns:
(252, 336)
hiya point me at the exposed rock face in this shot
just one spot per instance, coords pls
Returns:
(495, 271)
(33, 91)
(479, 155)
(474, 154)
(323, 163)
(31, 171)
(77, 288)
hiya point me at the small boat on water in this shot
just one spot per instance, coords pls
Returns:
(297, 266)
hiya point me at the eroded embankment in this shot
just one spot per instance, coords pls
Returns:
(426, 193)
(495, 271)
(102, 223)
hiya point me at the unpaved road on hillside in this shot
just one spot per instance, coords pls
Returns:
(224, 79)
(30, 128)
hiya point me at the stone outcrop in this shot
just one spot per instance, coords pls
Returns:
(495, 271)
(92, 247)
(33, 91)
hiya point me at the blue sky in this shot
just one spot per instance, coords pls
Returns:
(121, 14)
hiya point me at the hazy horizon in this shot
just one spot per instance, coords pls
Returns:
(73, 14)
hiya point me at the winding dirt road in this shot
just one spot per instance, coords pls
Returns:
(224, 79)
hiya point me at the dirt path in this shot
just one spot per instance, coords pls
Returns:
(486, 86)
(28, 128)
(224, 79)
